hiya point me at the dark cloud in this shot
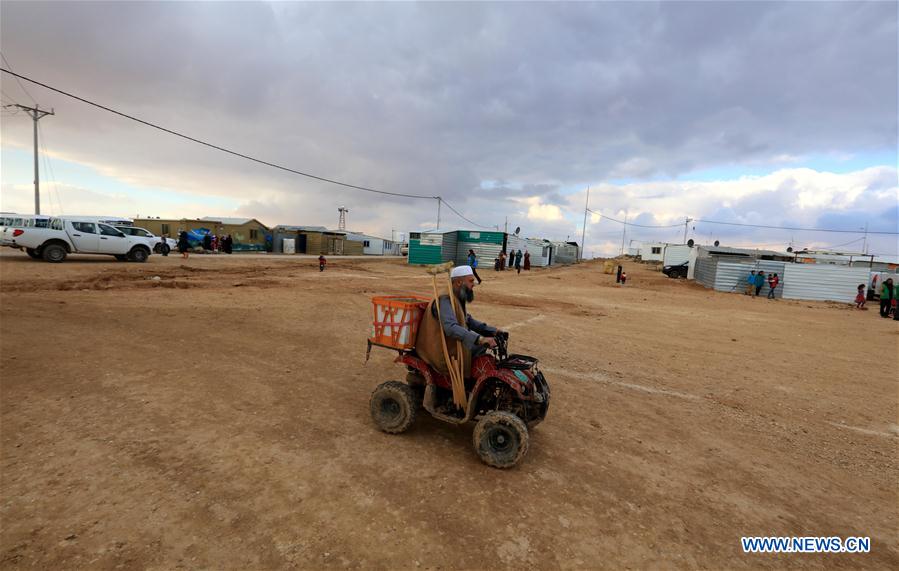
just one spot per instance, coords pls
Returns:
(435, 98)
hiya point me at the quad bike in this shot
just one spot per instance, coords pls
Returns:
(507, 395)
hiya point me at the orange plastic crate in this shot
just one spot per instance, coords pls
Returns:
(396, 319)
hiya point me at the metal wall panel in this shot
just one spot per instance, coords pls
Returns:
(537, 247)
(448, 251)
(485, 251)
(676, 254)
(426, 249)
(732, 276)
(823, 282)
(515, 243)
(564, 253)
(486, 246)
(705, 271)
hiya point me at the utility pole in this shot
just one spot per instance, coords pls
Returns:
(865, 243)
(623, 232)
(686, 223)
(36, 114)
(506, 226)
(584, 232)
(439, 202)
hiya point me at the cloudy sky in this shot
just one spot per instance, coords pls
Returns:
(779, 114)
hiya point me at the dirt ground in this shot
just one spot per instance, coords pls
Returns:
(217, 417)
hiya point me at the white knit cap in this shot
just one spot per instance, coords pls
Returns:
(461, 272)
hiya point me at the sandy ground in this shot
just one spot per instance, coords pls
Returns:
(218, 418)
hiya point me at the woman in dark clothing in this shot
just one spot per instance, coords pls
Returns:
(183, 245)
(518, 261)
(887, 294)
(527, 261)
(227, 243)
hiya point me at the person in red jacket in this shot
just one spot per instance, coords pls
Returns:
(773, 280)
(321, 263)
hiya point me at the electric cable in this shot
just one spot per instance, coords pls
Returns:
(217, 147)
(6, 61)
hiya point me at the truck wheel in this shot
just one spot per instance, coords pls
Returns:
(120, 257)
(33, 253)
(138, 254)
(53, 253)
(392, 407)
(500, 439)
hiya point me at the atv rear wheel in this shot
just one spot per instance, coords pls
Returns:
(501, 439)
(393, 407)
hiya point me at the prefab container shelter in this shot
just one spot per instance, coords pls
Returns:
(247, 234)
(486, 246)
(315, 240)
(515, 243)
(541, 252)
(564, 253)
(676, 254)
(431, 247)
(652, 251)
(374, 246)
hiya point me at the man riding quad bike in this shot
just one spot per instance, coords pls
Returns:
(459, 371)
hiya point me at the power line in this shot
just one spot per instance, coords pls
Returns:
(49, 164)
(749, 226)
(846, 244)
(797, 229)
(631, 223)
(6, 61)
(217, 147)
(448, 205)
(238, 154)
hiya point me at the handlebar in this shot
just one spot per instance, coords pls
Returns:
(501, 351)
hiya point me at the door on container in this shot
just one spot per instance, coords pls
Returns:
(301, 244)
(84, 236)
(338, 247)
(112, 241)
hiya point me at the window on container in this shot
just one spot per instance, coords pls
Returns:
(254, 234)
(165, 228)
(656, 250)
(365, 243)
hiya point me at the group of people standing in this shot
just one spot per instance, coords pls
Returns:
(756, 281)
(516, 260)
(210, 243)
(889, 293)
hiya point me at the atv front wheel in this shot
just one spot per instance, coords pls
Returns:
(393, 407)
(500, 439)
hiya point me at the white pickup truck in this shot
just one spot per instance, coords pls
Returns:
(67, 236)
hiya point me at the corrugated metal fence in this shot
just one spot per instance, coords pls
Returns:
(823, 282)
(705, 271)
(797, 281)
(732, 276)
(448, 251)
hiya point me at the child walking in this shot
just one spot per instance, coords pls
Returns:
(321, 263)
(860, 297)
